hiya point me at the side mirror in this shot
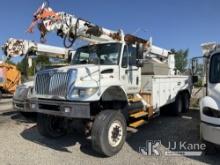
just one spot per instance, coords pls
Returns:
(195, 79)
(194, 65)
(140, 51)
(140, 55)
(71, 56)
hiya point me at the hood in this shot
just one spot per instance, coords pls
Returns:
(90, 71)
(87, 66)
(80, 76)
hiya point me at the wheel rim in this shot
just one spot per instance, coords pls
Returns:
(115, 133)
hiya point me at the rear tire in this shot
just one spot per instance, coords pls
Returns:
(109, 132)
(50, 126)
(186, 102)
(177, 106)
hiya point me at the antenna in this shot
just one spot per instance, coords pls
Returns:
(47, 4)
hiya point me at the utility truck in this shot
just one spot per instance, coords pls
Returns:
(117, 80)
(210, 103)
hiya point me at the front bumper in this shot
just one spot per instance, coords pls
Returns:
(61, 108)
(210, 133)
(22, 106)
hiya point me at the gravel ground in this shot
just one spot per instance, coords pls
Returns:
(20, 143)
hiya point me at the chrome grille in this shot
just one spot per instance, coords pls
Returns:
(52, 83)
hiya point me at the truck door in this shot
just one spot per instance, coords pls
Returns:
(130, 74)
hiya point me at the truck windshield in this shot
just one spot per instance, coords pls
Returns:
(215, 69)
(105, 54)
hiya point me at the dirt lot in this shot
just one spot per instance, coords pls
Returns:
(21, 144)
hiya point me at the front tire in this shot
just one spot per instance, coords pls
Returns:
(50, 126)
(109, 132)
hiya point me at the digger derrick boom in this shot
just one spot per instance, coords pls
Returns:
(70, 27)
(15, 47)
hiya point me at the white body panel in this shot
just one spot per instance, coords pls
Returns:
(209, 102)
(210, 133)
(210, 125)
(164, 89)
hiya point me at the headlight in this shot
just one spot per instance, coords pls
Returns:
(83, 92)
(20, 92)
(30, 92)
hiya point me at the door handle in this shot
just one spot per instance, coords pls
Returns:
(129, 70)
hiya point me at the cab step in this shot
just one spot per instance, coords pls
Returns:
(139, 114)
(135, 99)
(137, 123)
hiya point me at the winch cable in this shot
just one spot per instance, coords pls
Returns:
(71, 39)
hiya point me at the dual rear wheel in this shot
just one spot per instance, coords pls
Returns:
(181, 104)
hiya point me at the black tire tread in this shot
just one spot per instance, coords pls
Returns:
(43, 128)
(98, 131)
(186, 98)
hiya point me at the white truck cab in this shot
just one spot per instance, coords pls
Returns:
(210, 104)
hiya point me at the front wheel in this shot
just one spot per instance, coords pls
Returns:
(50, 126)
(109, 132)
